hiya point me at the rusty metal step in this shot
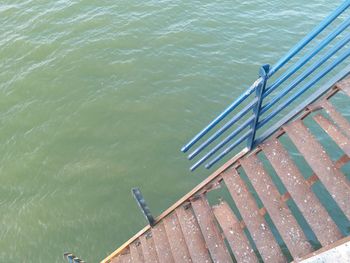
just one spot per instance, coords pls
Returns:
(315, 214)
(282, 217)
(339, 138)
(125, 258)
(116, 259)
(193, 235)
(344, 85)
(176, 239)
(234, 234)
(211, 234)
(161, 243)
(336, 117)
(148, 249)
(136, 253)
(255, 222)
(331, 177)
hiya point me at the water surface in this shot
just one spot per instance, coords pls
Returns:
(97, 97)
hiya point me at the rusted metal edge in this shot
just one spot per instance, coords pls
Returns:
(333, 89)
(323, 249)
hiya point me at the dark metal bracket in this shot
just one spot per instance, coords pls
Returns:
(71, 258)
(143, 205)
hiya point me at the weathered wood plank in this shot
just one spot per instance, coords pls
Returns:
(176, 239)
(234, 234)
(193, 235)
(161, 243)
(211, 234)
(255, 222)
(315, 214)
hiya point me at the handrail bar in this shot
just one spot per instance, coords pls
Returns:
(262, 90)
(227, 125)
(309, 37)
(280, 107)
(274, 69)
(306, 73)
(233, 134)
(222, 115)
(312, 98)
(230, 148)
(302, 61)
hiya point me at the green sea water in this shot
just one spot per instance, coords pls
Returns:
(97, 97)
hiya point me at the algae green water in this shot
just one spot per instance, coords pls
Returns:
(97, 97)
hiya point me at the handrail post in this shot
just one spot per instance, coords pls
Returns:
(259, 91)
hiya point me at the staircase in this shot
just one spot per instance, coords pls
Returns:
(285, 194)
(193, 230)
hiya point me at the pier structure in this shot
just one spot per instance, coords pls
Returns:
(285, 193)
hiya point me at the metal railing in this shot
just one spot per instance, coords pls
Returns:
(262, 102)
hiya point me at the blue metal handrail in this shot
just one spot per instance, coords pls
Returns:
(251, 115)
